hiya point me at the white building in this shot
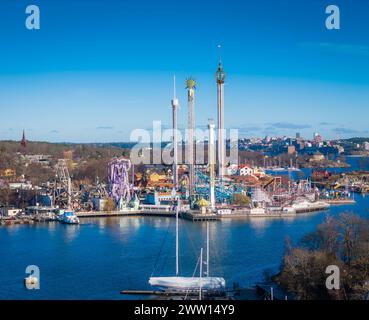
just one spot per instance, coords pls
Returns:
(246, 171)
(43, 159)
(9, 212)
(232, 169)
(99, 204)
(256, 172)
(20, 185)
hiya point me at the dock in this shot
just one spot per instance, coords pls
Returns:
(143, 292)
(198, 216)
(235, 215)
(340, 201)
(183, 294)
(171, 292)
(275, 214)
(136, 213)
(255, 292)
(191, 215)
(12, 221)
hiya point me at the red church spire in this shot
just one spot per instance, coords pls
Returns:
(24, 141)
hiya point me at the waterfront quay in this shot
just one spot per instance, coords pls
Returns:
(105, 214)
(191, 215)
(8, 221)
(198, 216)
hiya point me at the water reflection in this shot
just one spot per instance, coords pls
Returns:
(259, 223)
(52, 227)
(70, 232)
(12, 229)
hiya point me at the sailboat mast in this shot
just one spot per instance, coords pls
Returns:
(177, 242)
(207, 249)
(69, 193)
(200, 274)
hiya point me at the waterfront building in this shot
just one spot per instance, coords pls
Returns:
(9, 212)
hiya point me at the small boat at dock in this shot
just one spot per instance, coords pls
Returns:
(188, 283)
(69, 217)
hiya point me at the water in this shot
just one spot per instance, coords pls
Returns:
(356, 163)
(102, 256)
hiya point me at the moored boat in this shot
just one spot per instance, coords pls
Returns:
(199, 284)
(188, 283)
(69, 217)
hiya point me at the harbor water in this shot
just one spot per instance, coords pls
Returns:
(356, 163)
(101, 256)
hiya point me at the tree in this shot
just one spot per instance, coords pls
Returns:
(110, 205)
(342, 241)
(5, 196)
(240, 199)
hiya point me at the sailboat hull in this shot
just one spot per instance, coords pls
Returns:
(188, 283)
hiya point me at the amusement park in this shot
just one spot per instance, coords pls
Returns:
(198, 188)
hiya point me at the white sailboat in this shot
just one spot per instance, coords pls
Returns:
(197, 284)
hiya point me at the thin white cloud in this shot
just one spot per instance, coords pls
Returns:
(352, 49)
(288, 125)
(105, 128)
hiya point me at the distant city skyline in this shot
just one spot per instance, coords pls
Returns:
(94, 73)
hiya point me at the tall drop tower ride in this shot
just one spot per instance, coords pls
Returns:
(175, 136)
(220, 77)
(211, 161)
(191, 86)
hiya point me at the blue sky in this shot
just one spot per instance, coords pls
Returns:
(98, 69)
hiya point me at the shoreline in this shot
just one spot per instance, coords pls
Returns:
(193, 215)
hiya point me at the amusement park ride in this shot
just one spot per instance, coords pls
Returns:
(62, 187)
(192, 186)
(195, 184)
(119, 187)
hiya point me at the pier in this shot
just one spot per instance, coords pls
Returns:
(12, 221)
(340, 201)
(198, 216)
(169, 293)
(273, 214)
(135, 213)
(192, 215)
